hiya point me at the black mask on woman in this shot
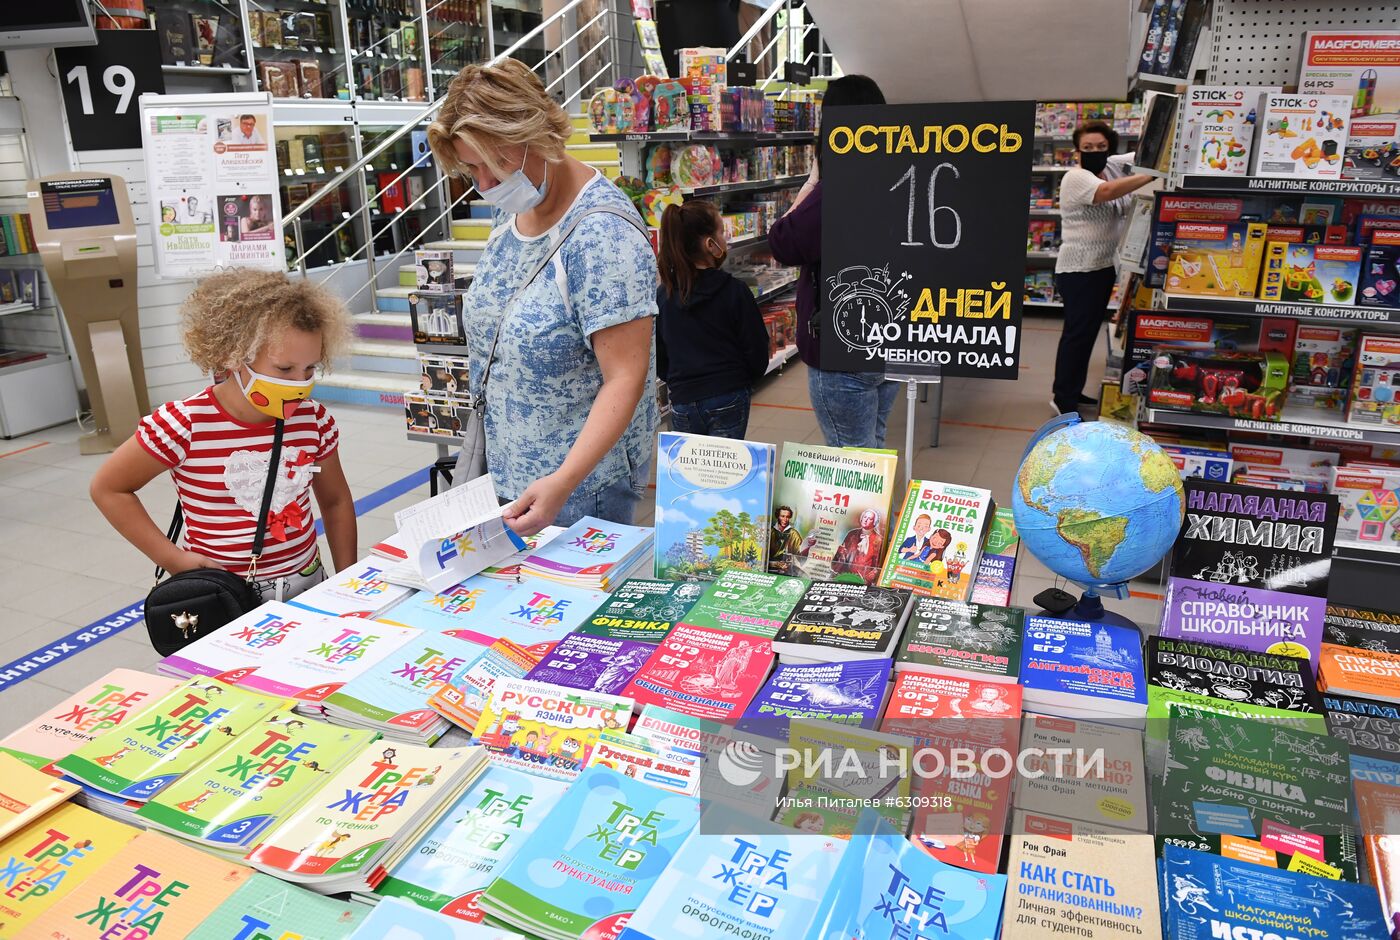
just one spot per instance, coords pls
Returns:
(1093, 160)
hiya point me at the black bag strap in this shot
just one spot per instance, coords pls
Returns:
(274, 463)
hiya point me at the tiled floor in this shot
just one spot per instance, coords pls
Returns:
(65, 568)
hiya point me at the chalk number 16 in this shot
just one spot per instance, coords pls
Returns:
(912, 177)
(117, 79)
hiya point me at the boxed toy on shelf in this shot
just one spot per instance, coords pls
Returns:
(1239, 384)
(1217, 128)
(1302, 136)
(1380, 272)
(1216, 259)
(1369, 515)
(1324, 358)
(437, 319)
(1302, 273)
(1375, 389)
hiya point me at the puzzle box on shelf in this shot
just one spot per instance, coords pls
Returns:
(1216, 259)
(1302, 136)
(1374, 398)
(1315, 274)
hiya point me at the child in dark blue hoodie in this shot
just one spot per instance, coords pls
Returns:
(711, 344)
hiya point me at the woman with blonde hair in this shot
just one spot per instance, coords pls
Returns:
(559, 314)
(265, 335)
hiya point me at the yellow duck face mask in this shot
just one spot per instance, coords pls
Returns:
(276, 398)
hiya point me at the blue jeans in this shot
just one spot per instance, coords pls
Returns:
(724, 415)
(852, 407)
(616, 502)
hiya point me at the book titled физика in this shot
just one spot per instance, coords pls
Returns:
(1250, 569)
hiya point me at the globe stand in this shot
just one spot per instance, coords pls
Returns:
(1089, 607)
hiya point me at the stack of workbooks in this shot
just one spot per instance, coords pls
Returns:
(225, 802)
(1077, 669)
(593, 553)
(359, 591)
(951, 638)
(752, 602)
(643, 609)
(509, 569)
(286, 651)
(121, 769)
(391, 697)
(365, 818)
(483, 610)
(462, 698)
(547, 730)
(453, 863)
(836, 621)
(593, 859)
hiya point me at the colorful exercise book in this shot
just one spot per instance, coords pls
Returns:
(510, 569)
(279, 649)
(168, 738)
(652, 763)
(154, 886)
(713, 500)
(1250, 568)
(643, 609)
(935, 546)
(847, 693)
(264, 908)
(27, 794)
(238, 791)
(1278, 690)
(1346, 670)
(343, 836)
(453, 863)
(1061, 868)
(1206, 897)
(831, 511)
(753, 602)
(592, 663)
(484, 610)
(1274, 796)
(997, 567)
(1111, 791)
(953, 638)
(1078, 669)
(462, 698)
(837, 621)
(103, 706)
(399, 920)
(887, 889)
(454, 610)
(959, 815)
(710, 674)
(50, 857)
(705, 740)
(738, 876)
(825, 795)
(392, 695)
(593, 859)
(590, 553)
(546, 730)
(358, 591)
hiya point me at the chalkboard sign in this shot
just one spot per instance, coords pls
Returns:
(924, 216)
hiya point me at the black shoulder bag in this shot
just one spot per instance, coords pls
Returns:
(188, 605)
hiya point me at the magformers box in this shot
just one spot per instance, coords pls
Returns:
(1216, 259)
(1375, 389)
(1364, 65)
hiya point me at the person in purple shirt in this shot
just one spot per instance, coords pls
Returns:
(852, 407)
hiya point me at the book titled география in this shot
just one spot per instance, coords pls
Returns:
(1250, 568)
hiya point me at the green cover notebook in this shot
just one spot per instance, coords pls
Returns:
(181, 728)
(752, 602)
(1245, 789)
(264, 907)
(228, 800)
(643, 609)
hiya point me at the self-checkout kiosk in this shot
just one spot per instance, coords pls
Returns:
(87, 238)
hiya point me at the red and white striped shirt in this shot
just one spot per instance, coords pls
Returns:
(219, 465)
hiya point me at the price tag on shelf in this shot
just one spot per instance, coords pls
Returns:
(923, 249)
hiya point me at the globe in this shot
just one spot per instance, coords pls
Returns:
(1098, 503)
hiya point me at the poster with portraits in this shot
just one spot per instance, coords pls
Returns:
(211, 168)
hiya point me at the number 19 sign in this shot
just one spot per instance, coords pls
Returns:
(924, 214)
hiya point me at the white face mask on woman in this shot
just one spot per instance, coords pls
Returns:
(515, 193)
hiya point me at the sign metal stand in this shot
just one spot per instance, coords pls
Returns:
(921, 380)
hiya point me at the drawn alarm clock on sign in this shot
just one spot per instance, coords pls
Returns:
(867, 306)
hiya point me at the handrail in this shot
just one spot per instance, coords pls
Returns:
(756, 28)
(420, 116)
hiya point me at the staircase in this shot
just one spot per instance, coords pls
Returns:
(383, 362)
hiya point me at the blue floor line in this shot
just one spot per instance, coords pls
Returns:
(104, 628)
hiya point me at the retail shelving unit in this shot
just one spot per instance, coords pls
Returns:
(1258, 42)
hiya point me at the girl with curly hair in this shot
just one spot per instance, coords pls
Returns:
(264, 335)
